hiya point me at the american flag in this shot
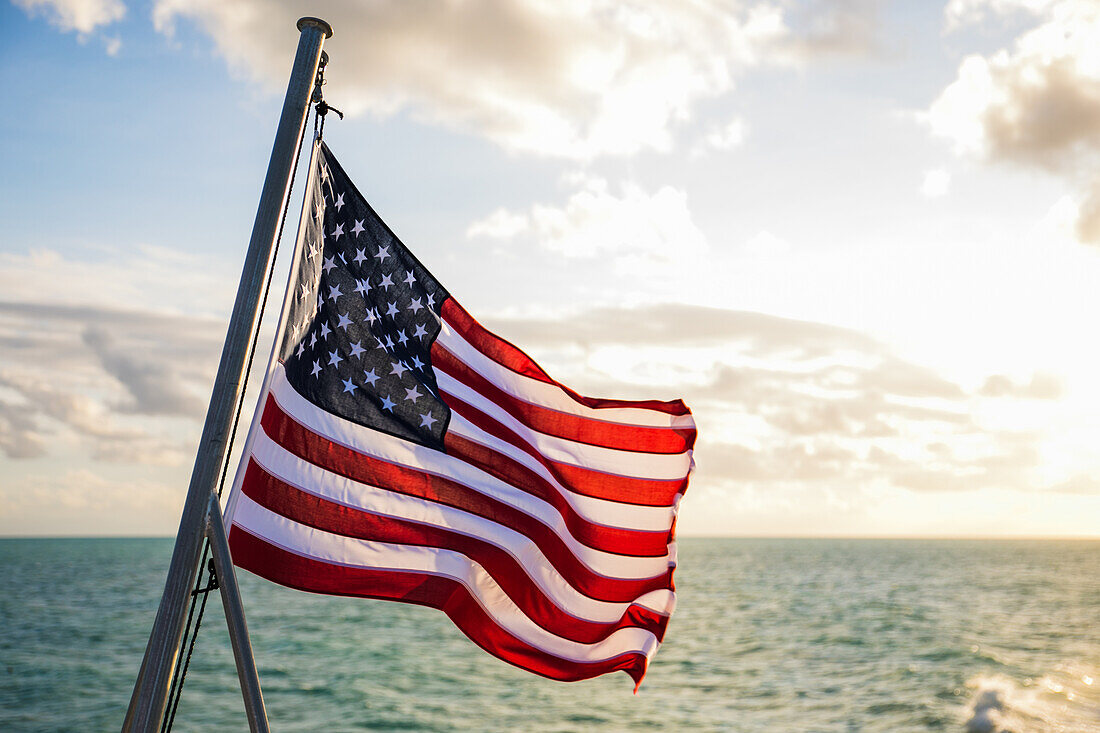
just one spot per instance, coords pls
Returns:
(401, 451)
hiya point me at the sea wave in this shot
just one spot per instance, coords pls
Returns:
(1065, 701)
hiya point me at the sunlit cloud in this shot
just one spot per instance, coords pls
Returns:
(1036, 104)
(571, 79)
(139, 277)
(788, 404)
(936, 183)
(835, 28)
(82, 16)
(1040, 387)
(630, 225)
(724, 137)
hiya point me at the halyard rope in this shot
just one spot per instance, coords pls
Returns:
(190, 636)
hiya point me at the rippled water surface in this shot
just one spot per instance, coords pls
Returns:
(770, 635)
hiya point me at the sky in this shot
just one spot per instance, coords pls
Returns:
(861, 239)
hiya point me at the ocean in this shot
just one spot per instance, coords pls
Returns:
(769, 635)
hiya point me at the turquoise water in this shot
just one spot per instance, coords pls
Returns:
(770, 635)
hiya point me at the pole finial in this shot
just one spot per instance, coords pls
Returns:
(308, 20)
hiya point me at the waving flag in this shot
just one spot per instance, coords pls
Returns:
(404, 452)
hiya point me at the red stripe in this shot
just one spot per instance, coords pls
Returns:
(447, 595)
(344, 461)
(602, 433)
(623, 489)
(511, 357)
(612, 539)
(320, 513)
(616, 540)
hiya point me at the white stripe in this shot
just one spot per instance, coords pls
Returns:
(410, 455)
(635, 515)
(596, 511)
(631, 464)
(550, 395)
(312, 479)
(332, 548)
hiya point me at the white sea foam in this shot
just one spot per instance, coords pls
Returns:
(1065, 701)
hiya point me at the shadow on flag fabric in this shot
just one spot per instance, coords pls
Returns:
(401, 451)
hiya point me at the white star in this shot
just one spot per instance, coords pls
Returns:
(370, 377)
(387, 404)
(316, 368)
(371, 316)
(319, 210)
(362, 287)
(349, 386)
(431, 300)
(420, 332)
(334, 358)
(339, 202)
(334, 293)
(330, 263)
(417, 364)
(356, 349)
(409, 279)
(313, 250)
(401, 337)
(383, 253)
(392, 310)
(342, 258)
(301, 348)
(360, 255)
(387, 281)
(399, 368)
(416, 305)
(412, 395)
(313, 339)
(344, 322)
(324, 173)
(388, 344)
(325, 330)
(357, 228)
(426, 421)
(338, 232)
(305, 291)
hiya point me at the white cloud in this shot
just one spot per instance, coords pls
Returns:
(968, 12)
(99, 359)
(728, 136)
(82, 16)
(766, 244)
(632, 226)
(119, 386)
(501, 224)
(1036, 105)
(574, 78)
(936, 183)
(144, 277)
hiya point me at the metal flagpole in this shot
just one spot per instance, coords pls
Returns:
(147, 705)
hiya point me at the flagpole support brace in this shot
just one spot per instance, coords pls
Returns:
(226, 580)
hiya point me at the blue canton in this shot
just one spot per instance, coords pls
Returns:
(363, 316)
